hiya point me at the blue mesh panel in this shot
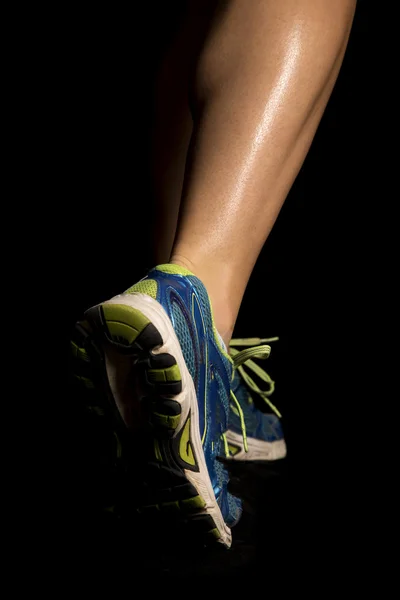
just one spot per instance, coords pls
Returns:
(234, 504)
(222, 392)
(203, 298)
(222, 475)
(185, 340)
(235, 507)
(205, 305)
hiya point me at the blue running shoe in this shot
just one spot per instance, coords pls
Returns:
(264, 440)
(168, 380)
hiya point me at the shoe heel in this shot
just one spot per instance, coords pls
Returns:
(166, 495)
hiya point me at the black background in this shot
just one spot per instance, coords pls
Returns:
(311, 278)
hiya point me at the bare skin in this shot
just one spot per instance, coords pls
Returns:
(258, 88)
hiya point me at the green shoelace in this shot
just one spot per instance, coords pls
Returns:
(254, 348)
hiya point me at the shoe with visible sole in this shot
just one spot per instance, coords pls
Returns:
(265, 439)
(152, 363)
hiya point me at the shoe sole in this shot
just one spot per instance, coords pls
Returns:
(258, 450)
(132, 341)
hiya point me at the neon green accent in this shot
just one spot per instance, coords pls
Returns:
(195, 503)
(121, 330)
(124, 321)
(79, 353)
(162, 375)
(169, 421)
(235, 410)
(146, 286)
(215, 533)
(86, 382)
(171, 506)
(212, 446)
(252, 341)
(226, 448)
(157, 450)
(185, 447)
(233, 449)
(174, 269)
(260, 351)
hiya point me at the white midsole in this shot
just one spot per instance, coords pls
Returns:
(187, 399)
(257, 449)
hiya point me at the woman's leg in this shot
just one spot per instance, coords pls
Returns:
(259, 87)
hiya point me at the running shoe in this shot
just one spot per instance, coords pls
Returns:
(152, 361)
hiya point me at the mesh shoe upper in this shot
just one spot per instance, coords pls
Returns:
(185, 299)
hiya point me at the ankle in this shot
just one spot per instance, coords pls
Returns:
(182, 261)
(221, 288)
